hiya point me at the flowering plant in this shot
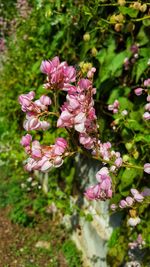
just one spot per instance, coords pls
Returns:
(78, 117)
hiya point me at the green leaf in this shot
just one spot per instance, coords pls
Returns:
(141, 67)
(129, 11)
(128, 177)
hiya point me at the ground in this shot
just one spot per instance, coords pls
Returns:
(18, 244)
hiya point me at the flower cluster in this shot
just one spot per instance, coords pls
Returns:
(114, 107)
(34, 110)
(139, 91)
(103, 189)
(138, 243)
(76, 114)
(42, 157)
(128, 62)
(129, 201)
(59, 75)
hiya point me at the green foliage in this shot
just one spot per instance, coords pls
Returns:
(72, 255)
(76, 31)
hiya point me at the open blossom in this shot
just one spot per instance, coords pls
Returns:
(59, 74)
(42, 157)
(33, 109)
(78, 111)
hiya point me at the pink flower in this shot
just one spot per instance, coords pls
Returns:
(147, 83)
(60, 146)
(93, 192)
(129, 201)
(146, 116)
(138, 91)
(45, 100)
(59, 73)
(114, 107)
(123, 204)
(25, 141)
(147, 168)
(102, 174)
(113, 207)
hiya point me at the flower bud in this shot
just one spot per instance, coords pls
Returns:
(138, 91)
(94, 52)
(86, 37)
(143, 8)
(118, 27)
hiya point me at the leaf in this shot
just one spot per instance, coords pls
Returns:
(141, 67)
(128, 177)
(129, 11)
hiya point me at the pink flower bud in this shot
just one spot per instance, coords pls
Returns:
(113, 207)
(138, 197)
(45, 100)
(123, 204)
(138, 91)
(147, 83)
(146, 116)
(58, 161)
(25, 141)
(118, 162)
(129, 201)
(46, 67)
(44, 125)
(147, 168)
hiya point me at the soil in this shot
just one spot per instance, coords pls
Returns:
(18, 244)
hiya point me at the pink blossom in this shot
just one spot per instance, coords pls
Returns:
(113, 207)
(91, 72)
(114, 107)
(138, 91)
(123, 204)
(147, 106)
(147, 83)
(146, 116)
(45, 100)
(145, 192)
(25, 141)
(129, 201)
(147, 168)
(59, 74)
(148, 98)
(102, 174)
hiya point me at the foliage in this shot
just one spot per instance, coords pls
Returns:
(102, 33)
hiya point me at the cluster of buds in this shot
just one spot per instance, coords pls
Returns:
(129, 201)
(59, 74)
(128, 62)
(138, 243)
(42, 157)
(34, 110)
(103, 189)
(114, 107)
(138, 6)
(139, 91)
